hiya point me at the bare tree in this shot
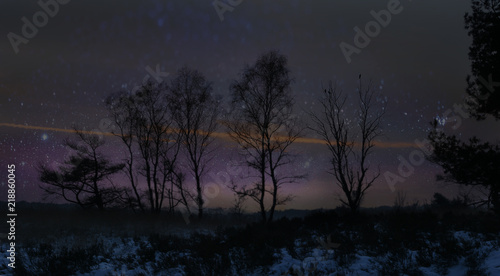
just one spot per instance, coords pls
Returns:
(123, 111)
(157, 142)
(195, 112)
(238, 206)
(349, 148)
(145, 125)
(84, 178)
(263, 125)
(183, 195)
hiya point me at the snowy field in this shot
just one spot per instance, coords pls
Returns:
(392, 243)
(475, 255)
(135, 256)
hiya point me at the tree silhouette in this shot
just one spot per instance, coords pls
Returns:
(483, 92)
(144, 125)
(474, 162)
(84, 178)
(156, 142)
(264, 127)
(471, 163)
(123, 111)
(194, 112)
(348, 148)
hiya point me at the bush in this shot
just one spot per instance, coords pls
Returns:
(426, 256)
(448, 251)
(475, 263)
(399, 262)
(44, 259)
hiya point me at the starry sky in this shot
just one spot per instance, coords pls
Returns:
(89, 49)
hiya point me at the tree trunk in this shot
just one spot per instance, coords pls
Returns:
(199, 200)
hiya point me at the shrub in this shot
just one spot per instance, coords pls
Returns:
(448, 253)
(44, 259)
(399, 262)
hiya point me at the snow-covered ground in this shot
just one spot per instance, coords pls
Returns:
(137, 256)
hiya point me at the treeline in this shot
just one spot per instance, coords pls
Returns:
(156, 123)
(162, 123)
(166, 130)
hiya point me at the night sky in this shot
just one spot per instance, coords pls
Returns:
(90, 49)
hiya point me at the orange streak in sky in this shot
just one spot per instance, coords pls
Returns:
(54, 129)
(222, 135)
(379, 144)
